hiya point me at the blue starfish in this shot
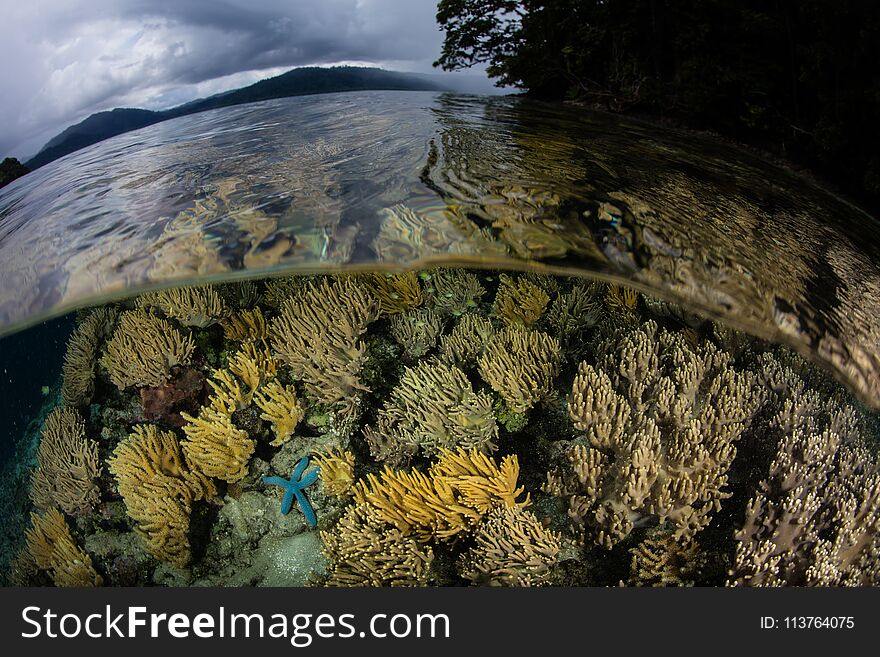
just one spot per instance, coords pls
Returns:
(293, 488)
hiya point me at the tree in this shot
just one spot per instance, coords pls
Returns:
(10, 169)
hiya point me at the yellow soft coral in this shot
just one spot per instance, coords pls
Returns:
(159, 489)
(215, 446)
(280, 407)
(53, 549)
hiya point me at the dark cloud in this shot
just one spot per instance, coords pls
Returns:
(65, 59)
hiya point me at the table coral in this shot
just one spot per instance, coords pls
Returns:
(143, 349)
(659, 423)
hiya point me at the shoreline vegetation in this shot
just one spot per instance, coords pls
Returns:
(770, 77)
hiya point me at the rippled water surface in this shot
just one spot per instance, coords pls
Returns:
(401, 180)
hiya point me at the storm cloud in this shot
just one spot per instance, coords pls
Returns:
(65, 59)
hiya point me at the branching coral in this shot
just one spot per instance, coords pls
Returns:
(816, 518)
(192, 306)
(416, 331)
(519, 302)
(363, 550)
(67, 465)
(279, 290)
(660, 422)
(454, 291)
(621, 299)
(664, 561)
(215, 446)
(395, 292)
(511, 548)
(78, 381)
(53, 549)
(520, 366)
(280, 407)
(317, 333)
(465, 343)
(159, 488)
(571, 313)
(246, 325)
(143, 350)
(337, 471)
(452, 497)
(433, 407)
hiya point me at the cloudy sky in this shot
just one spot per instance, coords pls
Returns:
(61, 60)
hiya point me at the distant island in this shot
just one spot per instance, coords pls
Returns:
(297, 82)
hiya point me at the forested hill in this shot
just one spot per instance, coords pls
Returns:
(298, 82)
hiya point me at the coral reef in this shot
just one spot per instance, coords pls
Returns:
(511, 548)
(465, 343)
(665, 561)
(660, 421)
(280, 407)
(454, 495)
(433, 407)
(519, 302)
(317, 334)
(416, 331)
(191, 306)
(67, 465)
(337, 471)
(159, 488)
(454, 291)
(816, 518)
(143, 349)
(520, 366)
(53, 549)
(78, 381)
(246, 325)
(364, 550)
(396, 292)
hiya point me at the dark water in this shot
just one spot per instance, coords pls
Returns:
(707, 257)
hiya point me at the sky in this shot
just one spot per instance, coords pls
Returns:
(61, 60)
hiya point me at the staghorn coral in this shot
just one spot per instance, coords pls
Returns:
(454, 291)
(520, 366)
(465, 343)
(280, 407)
(396, 292)
(363, 550)
(199, 306)
(511, 548)
(53, 549)
(246, 325)
(815, 520)
(519, 302)
(159, 488)
(416, 331)
(143, 350)
(215, 446)
(78, 370)
(660, 421)
(317, 334)
(67, 465)
(433, 407)
(457, 491)
(337, 471)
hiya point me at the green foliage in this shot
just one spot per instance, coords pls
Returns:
(10, 169)
(800, 78)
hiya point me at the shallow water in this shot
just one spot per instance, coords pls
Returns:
(655, 443)
(393, 180)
